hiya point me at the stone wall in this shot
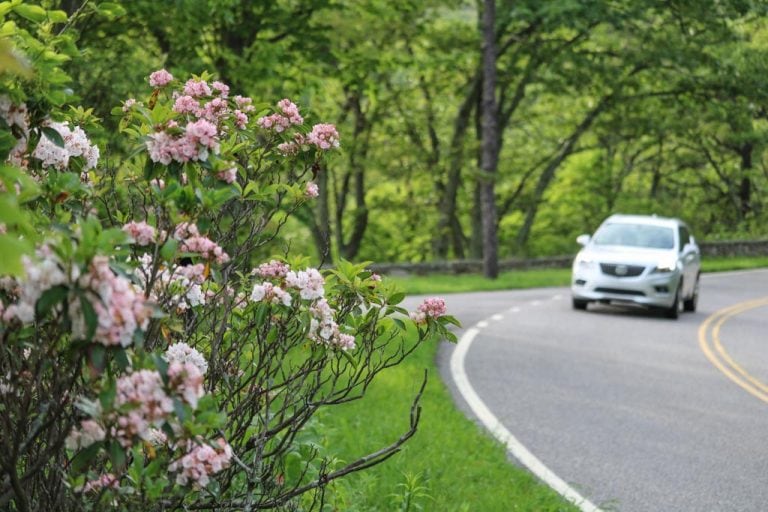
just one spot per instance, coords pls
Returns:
(722, 248)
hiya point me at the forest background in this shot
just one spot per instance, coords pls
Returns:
(527, 120)
(634, 106)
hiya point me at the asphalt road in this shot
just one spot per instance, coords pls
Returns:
(625, 405)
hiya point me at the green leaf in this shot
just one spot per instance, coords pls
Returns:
(121, 358)
(57, 16)
(11, 251)
(168, 251)
(31, 12)
(107, 396)
(91, 319)
(50, 298)
(110, 9)
(97, 355)
(116, 455)
(53, 136)
(349, 358)
(85, 457)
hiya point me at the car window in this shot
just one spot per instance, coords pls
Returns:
(685, 237)
(635, 235)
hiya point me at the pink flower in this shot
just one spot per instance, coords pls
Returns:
(309, 283)
(267, 292)
(141, 232)
(107, 480)
(324, 136)
(160, 78)
(119, 308)
(312, 190)
(433, 307)
(203, 132)
(288, 148)
(244, 103)
(200, 462)
(274, 122)
(186, 104)
(241, 120)
(228, 176)
(221, 88)
(214, 110)
(197, 88)
(274, 269)
(128, 104)
(89, 432)
(186, 379)
(145, 403)
(290, 110)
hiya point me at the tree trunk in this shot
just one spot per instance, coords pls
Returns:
(448, 225)
(322, 231)
(349, 247)
(490, 147)
(745, 187)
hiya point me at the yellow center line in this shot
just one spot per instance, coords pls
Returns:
(714, 351)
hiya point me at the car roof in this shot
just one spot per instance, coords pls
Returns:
(654, 220)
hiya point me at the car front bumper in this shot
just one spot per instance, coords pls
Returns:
(647, 289)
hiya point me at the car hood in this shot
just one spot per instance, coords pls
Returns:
(626, 255)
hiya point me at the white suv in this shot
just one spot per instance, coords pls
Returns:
(647, 260)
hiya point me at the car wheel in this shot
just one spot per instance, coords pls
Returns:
(690, 304)
(580, 304)
(674, 310)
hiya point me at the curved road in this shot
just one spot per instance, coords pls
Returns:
(634, 411)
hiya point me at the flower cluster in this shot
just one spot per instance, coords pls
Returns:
(268, 292)
(143, 404)
(192, 241)
(41, 275)
(183, 353)
(312, 190)
(76, 144)
(324, 329)
(279, 122)
(88, 433)
(107, 480)
(309, 283)
(201, 461)
(141, 232)
(119, 307)
(272, 270)
(178, 286)
(160, 78)
(16, 116)
(324, 136)
(204, 111)
(186, 379)
(433, 307)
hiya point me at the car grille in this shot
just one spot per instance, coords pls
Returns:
(618, 270)
(619, 291)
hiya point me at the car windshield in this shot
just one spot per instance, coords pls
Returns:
(635, 235)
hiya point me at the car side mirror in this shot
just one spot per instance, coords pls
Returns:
(583, 239)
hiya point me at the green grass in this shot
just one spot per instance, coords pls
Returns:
(451, 464)
(536, 278)
(456, 464)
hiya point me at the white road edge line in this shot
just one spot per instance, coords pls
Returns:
(500, 432)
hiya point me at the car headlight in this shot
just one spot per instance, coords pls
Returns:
(665, 267)
(584, 263)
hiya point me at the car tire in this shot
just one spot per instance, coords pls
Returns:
(580, 304)
(674, 310)
(691, 303)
